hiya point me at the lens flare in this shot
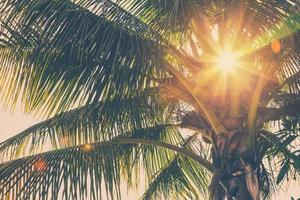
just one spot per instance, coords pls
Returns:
(276, 46)
(40, 165)
(87, 147)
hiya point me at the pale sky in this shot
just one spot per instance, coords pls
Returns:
(13, 123)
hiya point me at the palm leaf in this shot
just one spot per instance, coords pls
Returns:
(181, 178)
(91, 123)
(163, 15)
(93, 64)
(83, 168)
(171, 182)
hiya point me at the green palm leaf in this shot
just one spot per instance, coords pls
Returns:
(91, 123)
(74, 168)
(94, 61)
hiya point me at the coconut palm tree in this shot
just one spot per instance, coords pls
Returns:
(199, 98)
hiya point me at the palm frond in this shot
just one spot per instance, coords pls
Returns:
(281, 148)
(37, 174)
(285, 108)
(181, 178)
(163, 15)
(73, 171)
(171, 182)
(91, 123)
(68, 55)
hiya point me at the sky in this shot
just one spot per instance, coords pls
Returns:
(13, 123)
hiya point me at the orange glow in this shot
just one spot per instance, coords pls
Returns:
(276, 46)
(40, 165)
(87, 147)
(229, 66)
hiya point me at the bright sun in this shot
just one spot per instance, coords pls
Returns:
(227, 61)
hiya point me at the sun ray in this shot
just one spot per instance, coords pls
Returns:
(227, 61)
(240, 22)
(227, 48)
(200, 28)
(279, 31)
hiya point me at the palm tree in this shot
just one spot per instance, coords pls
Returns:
(180, 92)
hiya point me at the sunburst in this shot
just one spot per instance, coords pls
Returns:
(227, 61)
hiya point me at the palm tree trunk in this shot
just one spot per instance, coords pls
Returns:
(235, 176)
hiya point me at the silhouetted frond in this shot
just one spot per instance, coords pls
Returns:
(59, 54)
(91, 123)
(75, 170)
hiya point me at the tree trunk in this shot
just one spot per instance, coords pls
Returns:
(236, 167)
